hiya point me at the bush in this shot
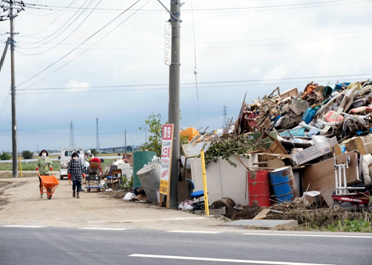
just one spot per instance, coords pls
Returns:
(5, 156)
(27, 154)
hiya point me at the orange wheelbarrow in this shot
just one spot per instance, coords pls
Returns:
(48, 184)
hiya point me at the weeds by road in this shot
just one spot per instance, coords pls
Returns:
(30, 166)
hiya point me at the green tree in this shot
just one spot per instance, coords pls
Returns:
(27, 154)
(5, 156)
(155, 127)
(94, 152)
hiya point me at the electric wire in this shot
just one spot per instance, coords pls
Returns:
(69, 35)
(211, 84)
(213, 42)
(61, 28)
(233, 9)
(6, 100)
(89, 46)
(195, 67)
(94, 34)
(49, 24)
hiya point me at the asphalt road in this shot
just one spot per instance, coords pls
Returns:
(46, 245)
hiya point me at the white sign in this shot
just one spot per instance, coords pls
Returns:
(168, 44)
(166, 158)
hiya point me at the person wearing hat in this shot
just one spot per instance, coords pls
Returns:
(75, 172)
(43, 165)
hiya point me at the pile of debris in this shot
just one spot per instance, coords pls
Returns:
(342, 110)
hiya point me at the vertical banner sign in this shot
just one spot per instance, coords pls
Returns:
(166, 158)
(168, 44)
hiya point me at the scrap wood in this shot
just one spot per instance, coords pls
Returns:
(277, 155)
(262, 214)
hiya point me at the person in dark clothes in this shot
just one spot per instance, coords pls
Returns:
(75, 173)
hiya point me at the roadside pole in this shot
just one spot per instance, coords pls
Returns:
(13, 92)
(206, 201)
(174, 96)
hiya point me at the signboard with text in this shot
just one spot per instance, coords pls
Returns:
(168, 44)
(166, 158)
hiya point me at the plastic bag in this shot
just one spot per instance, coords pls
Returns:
(309, 115)
(129, 196)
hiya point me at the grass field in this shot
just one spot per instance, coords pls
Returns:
(30, 166)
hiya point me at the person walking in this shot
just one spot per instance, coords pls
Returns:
(82, 161)
(75, 172)
(43, 165)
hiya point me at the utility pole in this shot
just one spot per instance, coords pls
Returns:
(72, 137)
(125, 141)
(13, 92)
(4, 53)
(10, 6)
(174, 96)
(97, 137)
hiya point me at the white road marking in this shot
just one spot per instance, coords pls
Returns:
(193, 232)
(223, 260)
(23, 226)
(150, 220)
(306, 235)
(103, 228)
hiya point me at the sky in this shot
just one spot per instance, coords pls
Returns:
(68, 70)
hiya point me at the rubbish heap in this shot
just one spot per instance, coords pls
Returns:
(299, 140)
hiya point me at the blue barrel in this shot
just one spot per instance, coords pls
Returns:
(284, 185)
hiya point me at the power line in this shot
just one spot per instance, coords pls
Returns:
(49, 24)
(183, 87)
(63, 30)
(228, 9)
(69, 35)
(195, 68)
(201, 83)
(214, 42)
(219, 47)
(80, 44)
(87, 48)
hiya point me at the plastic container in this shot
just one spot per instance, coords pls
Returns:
(149, 176)
(284, 185)
(190, 133)
(259, 188)
(139, 160)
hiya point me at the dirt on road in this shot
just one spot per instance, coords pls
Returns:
(25, 207)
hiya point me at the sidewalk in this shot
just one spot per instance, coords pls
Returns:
(24, 207)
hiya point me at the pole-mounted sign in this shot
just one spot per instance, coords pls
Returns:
(166, 160)
(168, 44)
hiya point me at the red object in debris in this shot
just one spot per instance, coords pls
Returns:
(259, 188)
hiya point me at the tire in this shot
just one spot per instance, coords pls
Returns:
(61, 177)
(336, 206)
(49, 197)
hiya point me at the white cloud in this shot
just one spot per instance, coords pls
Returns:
(255, 71)
(278, 71)
(76, 84)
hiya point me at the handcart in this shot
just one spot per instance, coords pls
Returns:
(49, 184)
(93, 179)
(348, 197)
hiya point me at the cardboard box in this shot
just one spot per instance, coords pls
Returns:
(321, 176)
(357, 143)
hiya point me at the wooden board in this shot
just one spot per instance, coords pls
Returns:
(262, 214)
(275, 163)
(356, 144)
(321, 176)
